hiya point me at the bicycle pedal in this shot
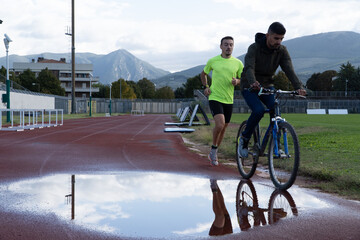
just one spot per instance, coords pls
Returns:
(282, 156)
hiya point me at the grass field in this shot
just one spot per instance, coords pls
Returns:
(329, 146)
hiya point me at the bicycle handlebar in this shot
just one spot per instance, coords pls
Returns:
(267, 91)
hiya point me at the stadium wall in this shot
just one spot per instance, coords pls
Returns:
(27, 101)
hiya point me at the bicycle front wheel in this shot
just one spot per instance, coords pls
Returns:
(247, 165)
(281, 205)
(284, 156)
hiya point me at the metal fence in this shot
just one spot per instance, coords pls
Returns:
(101, 105)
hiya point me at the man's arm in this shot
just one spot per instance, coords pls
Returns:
(287, 66)
(250, 64)
(203, 77)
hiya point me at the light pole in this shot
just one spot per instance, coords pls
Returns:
(346, 83)
(120, 89)
(110, 101)
(91, 76)
(7, 40)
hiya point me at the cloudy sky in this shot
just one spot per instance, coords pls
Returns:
(169, 34)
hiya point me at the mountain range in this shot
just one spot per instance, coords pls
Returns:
(310, 54)
(109, 67)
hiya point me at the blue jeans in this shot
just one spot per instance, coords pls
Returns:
(255, 103)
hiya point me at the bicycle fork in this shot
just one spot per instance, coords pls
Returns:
(277, 135)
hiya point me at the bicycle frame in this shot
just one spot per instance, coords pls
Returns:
(275, 119)
(283, 152)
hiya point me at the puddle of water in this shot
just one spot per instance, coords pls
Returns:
(141, 204)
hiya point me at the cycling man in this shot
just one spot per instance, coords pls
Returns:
(261, 62)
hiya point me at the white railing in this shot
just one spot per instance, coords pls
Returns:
(29, 119)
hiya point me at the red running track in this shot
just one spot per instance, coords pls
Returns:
(92, 145)
(101, 144)
(128, 143)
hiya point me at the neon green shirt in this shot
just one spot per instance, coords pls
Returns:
(223, 71)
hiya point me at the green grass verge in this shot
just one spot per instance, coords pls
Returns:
(329, 146)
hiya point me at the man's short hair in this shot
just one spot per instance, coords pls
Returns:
(277, 28)
(226, 38)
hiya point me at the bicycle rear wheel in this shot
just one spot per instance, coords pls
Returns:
(247, 166)
(246, 203)
(284, 156)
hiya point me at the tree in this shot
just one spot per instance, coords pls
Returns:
(193, 84)
(28, 80)
(135, 88)
(348, 78)
(147, 88)
(355, 85)
(126, 91)
(325, 80)
(311, 83)
(321, 81)
(165, 93)
(49, 83)
(180, 92)
(3, 73)
(104, 91)
(282, 82)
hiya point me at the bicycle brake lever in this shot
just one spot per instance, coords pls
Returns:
(260, 91)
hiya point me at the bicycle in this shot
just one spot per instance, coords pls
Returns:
(249, 214)
(283, 151)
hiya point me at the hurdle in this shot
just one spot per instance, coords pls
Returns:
(178, 129)
(137, 112)
(190, 114)
(28, 119)
(187, 113)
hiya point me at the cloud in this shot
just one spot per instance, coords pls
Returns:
(159, 30)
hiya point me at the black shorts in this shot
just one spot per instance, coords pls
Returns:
(221, 108)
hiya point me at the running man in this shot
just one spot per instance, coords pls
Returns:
(226, 72)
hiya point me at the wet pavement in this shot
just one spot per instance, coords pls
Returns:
(151, 204)
(124, 178)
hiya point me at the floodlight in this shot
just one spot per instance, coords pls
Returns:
(7, 38)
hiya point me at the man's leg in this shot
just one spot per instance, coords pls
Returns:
(218, 134)
(219, 129)
(218, 114)
(257, 112)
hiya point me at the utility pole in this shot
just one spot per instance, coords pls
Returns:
(73, 103)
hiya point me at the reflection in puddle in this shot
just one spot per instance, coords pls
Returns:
(142, 204)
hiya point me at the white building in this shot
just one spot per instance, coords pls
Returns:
(62, 71)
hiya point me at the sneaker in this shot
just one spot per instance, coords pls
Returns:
(243, 147)
(213, 157)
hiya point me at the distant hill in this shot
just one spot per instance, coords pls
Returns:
(175, 80)
(324, 51)
(310, 54)
(109, 67)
